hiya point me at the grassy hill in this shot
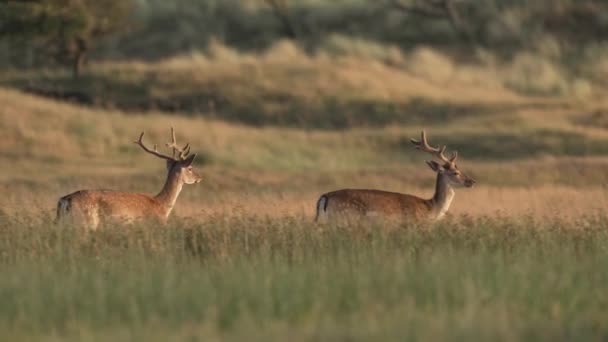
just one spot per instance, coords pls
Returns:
(284, 86)
(506, 141)
(521, 256)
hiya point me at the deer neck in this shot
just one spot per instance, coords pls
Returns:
(169, 193)
(444, 194)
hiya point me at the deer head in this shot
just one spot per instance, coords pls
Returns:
(449, 168)
(179, 164)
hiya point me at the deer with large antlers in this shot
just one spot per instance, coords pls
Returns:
(92, 207)
(358, 203)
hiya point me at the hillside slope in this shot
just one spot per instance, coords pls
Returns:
(54, 148)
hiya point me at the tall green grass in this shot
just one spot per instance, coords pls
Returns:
(255, 278)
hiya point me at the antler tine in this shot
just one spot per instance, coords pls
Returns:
(454, 157)
(183, 152)
(154, 151)
(423, 145)
(173, 143)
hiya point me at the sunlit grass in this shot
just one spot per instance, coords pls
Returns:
(234, 277)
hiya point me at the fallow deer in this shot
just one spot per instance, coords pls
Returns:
(359, 203)
(92, 207)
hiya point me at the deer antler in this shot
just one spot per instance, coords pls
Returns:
(153, 151)
(183, 152)
(423, 145)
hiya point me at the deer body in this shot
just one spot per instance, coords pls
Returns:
(93, 207)
(364, 203)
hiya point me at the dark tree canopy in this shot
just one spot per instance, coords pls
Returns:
(65, 28)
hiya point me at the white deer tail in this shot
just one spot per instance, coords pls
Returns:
(64, 206)
(321, 208)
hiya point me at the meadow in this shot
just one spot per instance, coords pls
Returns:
(521, 256)
(259, 279)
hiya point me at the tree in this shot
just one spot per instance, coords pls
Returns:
(436, 9)
(66, 29)
(282, 12)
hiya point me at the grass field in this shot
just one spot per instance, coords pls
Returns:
(521, 257)
(260, 279)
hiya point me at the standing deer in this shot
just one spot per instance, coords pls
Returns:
(92, 207)
(358, 203)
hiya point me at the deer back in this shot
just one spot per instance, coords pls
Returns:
(375, 202)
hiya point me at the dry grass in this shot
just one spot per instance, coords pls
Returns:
(57, 148)
(551, 202)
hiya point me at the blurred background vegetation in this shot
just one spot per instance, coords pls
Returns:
(303, 96)
(154, 29)
(261, 61)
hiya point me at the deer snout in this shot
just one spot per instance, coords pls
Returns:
(469, 182)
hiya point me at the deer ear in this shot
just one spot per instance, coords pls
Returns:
(189, 160)
(433, 165)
